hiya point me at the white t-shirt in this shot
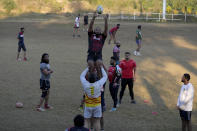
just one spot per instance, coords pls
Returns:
(186, 96)
(93, 90)
(77, 21)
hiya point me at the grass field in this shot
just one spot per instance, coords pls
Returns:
(169, 51)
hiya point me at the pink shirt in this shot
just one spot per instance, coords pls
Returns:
(113, 29)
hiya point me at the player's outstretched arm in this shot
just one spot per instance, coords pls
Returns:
(104, 78)
(84, 82)
(106, 24)
(92, 22)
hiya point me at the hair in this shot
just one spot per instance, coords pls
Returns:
(127, 53)
(79, 121)
(139, 26)
(118, 24)
(187, 76)
(22, 28)
(42, 58)
(113, 58)
(92, 77)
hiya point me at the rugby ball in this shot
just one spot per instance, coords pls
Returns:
(19, 105)
(99, 9)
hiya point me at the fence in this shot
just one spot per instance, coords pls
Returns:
(158, 17)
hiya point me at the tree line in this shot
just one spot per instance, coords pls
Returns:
(173, 6)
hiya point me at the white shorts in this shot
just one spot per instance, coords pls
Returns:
(90, 112)
(76, 25)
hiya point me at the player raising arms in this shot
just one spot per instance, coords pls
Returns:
(96, 40)
(92, 89)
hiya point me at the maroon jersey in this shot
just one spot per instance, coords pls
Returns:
(96, 42)
(111, 73)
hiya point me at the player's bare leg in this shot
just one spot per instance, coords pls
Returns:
(47, 106)
(18, 54)
(96, 124)
(87, 123)
(102, 122)
(74, 32)
(114, 38)
(78, 32)
(138, 49)
(41, 102)
(25, 58)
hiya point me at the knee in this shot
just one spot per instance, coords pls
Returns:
(99, 63)
(44, 94)
(90, 65)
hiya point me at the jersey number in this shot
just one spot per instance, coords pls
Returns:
(92, 90)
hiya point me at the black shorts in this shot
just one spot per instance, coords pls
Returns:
(44, 84)
(94, 56)
(21, 46)
(185, 115)
(85, 22)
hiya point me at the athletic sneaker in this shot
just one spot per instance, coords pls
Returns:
(138, 53)
(113, 109)
(48, 107)
(19, 59)
(40, 109)
(25, 59)
(133, 102)
(135, 53)
(117, 105)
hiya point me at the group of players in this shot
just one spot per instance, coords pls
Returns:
(94, 77)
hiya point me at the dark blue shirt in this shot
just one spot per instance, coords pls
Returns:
(20, 37)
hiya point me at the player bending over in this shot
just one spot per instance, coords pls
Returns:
(112, 33)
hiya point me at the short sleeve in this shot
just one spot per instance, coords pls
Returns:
(43, 66)
(134, 64)
(121, 64)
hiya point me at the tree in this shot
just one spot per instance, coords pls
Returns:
(9, 5)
